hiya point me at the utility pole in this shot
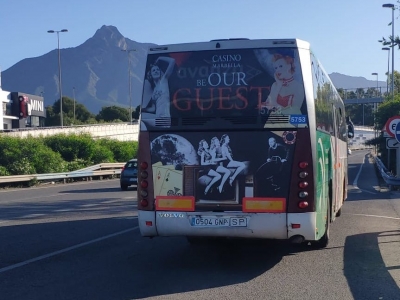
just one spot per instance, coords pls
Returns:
(128, 51)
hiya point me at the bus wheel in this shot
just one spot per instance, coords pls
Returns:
(324, 240)
(339, 212)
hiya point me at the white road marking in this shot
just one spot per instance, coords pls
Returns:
(358, 175)
(375, 216)
(2, 270)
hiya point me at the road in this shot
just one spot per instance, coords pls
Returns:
(81, 241)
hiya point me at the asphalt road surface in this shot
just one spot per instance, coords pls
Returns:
(81, 241)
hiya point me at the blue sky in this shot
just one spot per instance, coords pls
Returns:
(343, 33)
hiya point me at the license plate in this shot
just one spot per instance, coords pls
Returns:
(133, 179)
(219, 222)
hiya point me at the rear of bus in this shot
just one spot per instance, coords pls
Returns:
(224, 142)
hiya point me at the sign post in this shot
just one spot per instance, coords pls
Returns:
(397, 136)
(391, 130)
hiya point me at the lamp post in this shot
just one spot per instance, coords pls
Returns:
(59, 71)
(388, 72)
(73, 92)
(391, 6)
(128, 51)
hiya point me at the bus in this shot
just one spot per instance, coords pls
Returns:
(240, 138)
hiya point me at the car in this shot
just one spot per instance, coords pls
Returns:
(129, 174)
(348, 151)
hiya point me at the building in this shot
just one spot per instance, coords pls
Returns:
(21, 110)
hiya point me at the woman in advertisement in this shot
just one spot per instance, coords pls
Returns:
(228, 161)
(287, 94)
(213, 170)
(156, 90)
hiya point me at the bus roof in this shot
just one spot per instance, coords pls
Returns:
(230, 44)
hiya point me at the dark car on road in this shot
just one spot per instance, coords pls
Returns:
(129, 174)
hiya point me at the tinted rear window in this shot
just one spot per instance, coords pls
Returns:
(131, 165)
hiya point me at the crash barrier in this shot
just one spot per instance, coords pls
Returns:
(389, 178)
(104, 169)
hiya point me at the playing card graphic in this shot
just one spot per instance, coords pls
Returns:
(172, 183)
(159, 173)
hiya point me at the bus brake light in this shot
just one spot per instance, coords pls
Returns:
(303, 204)
(143, 165)
(303, 184)
(144, 203)
(144, 184)
(303, 165)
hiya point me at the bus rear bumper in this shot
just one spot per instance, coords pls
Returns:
(258, 225)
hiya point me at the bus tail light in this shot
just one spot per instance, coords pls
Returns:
(303, 194)
(144, 165)
(295, 226)
(144, 203)
(303, 184)
(303, 165)
(303, 174)
(149, 223)
(303, 204)
(144, 184)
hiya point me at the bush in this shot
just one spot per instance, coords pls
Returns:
(123, 151)
(59, 153)
(72, 146)
(102, 154)
(4, 171)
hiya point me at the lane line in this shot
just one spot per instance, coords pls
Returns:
(375, 216)
(358, 175)
(2, 270)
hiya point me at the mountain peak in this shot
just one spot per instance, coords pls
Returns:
(110, 35)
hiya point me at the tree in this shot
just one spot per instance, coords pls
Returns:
(82, 115)
(113, 114)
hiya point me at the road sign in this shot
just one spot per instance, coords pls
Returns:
(390, 125)
(392, 143)
(397, 132)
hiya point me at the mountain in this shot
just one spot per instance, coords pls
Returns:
(97, 71)
(350, 82)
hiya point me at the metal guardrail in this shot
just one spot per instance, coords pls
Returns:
(389, 178)
(104, 169)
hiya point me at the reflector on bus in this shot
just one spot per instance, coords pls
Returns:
(272, 205)
(175, 203)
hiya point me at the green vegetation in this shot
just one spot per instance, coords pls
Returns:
(59, 153)
(78, 114)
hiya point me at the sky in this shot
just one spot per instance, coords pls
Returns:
(343, 34)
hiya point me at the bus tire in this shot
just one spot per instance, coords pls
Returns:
(339, 212)
(324, 240)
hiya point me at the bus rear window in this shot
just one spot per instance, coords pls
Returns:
(224, 83)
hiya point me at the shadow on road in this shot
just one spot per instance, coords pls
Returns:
(99, 190)
(366, 273)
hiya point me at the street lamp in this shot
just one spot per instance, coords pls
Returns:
(73, 92)
(128, 51)
(391, 6)
(387, 80)
(59, 70)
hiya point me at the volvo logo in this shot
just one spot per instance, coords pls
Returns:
(171, 215)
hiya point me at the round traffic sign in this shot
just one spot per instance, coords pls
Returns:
(397, 132)
(391, 124)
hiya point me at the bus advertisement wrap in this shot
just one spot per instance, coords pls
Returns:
(215, 167)
(225, 83)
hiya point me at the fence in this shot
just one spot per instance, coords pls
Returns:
(105, 169)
